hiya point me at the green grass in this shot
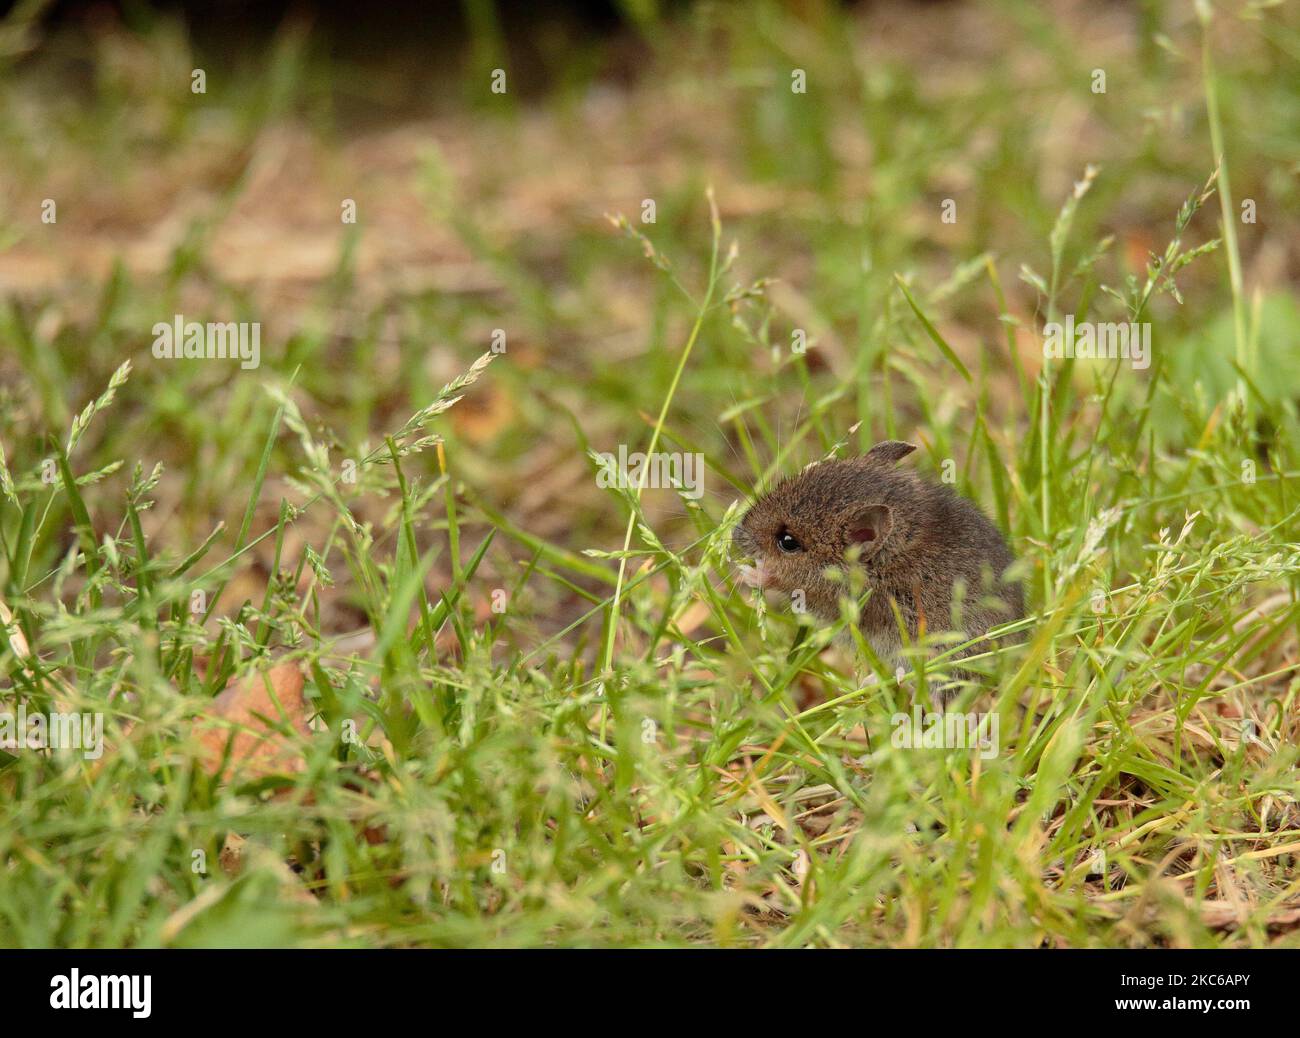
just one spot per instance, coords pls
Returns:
(634, 752)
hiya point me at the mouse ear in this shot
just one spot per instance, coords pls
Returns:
(891, 451)
(869, 525)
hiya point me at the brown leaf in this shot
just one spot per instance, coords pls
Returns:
(481, 416)
(252, 713)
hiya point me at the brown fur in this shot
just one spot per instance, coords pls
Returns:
(918, 541)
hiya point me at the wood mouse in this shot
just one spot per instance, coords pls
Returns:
(918, 542)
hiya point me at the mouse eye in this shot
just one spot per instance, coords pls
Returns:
(787, 542)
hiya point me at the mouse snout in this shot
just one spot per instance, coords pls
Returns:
(743, 541)
(754, 576)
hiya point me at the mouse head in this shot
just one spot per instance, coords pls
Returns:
(812, 521)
